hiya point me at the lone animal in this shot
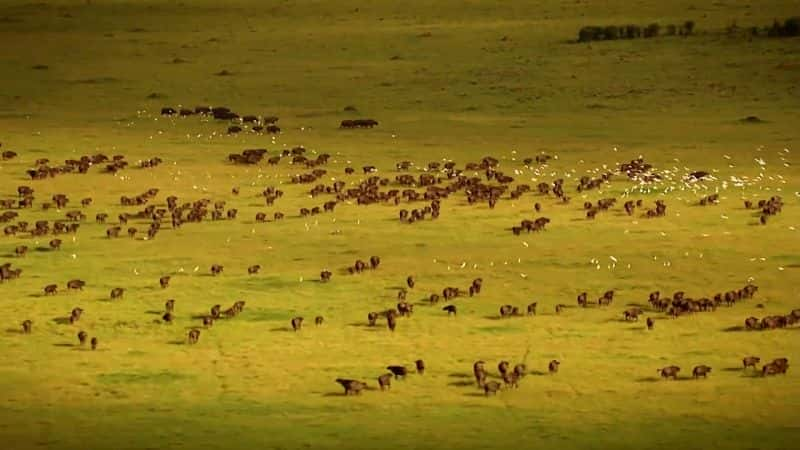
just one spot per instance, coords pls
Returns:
(451, 309)
(385, 381)
(669, 371)
(27, 325)
(94, 343)
(252, 270)
(398, 371)
(117, 293)
(553, 366)
(701, 371)
(491, 387)
(194, 336)
(353, 387)
(750, 361)
(164, 281)
(216, 269)
(420, 366)
(318, 320)
(410, 281)
(297, 323)
(82, 336)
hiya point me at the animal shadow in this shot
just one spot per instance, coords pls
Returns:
(61, 320)
(733, 329)
(463, 383)
(177, 342)
(14, 331)
(279, 329)
(63, 344)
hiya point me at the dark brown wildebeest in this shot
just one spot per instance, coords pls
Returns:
(401, 294)
(117, 293)
(113, 232)
(510, 379)
(560, 307)
(21, 250)
(650, 323)
(773, 368)
(76, 284)
(751, 323)
(701, 371)
(167, 317)
(451, 309)
(750, 361)
(82, 336)
(405, 309)
(194, 336)
(782, 362)
(75, 314)
(50, 289)
(479, 372)
(532, 309)
(520, 370)
(553, 366)
(252, 270)
(208, 321)
(318, 320)
(371, 318)
(420, 366)
(169, 305)
(491, 387)
(582, 299)
(101, 218)
(391, 322)
(385, 381)
(325, 275)
(94, 343)
(27, 326)
(410, 282)
(506, 311)
(297, 323)
(215, 311)
(261, 217)
(398, 371)
(216, 269)
(164, 281)
(374, 261)
(433, 298)
(360, 265)
(631, 314)
(669, 371)
(502, 367)
(132, 232)
(351, 387)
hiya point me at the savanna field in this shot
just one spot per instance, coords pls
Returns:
(457, 88)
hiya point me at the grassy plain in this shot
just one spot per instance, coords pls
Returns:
(444, 85)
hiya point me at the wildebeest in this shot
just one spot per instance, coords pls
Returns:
(385, 381)
(491, 387)
(520, 370)
(50, 289)
(405, 309)
(325, 275)
(632, 314)
(374, 261)
(252, 270)
(451, 309)
(21, 250)
(94, 343)
(194, 336)
(113, 232)
(208, 321)
(371, 318)
(650, 323)
(420, 364)
(391, 322)
(560, 307)
(76, 284)
(167, 317)
(510, 379)
(773, 368)
(410, 281)
(164, 281)
(532, 309)
(582, 299)
(507, 311)
(297, 323)
(502, 367)
(117, 293)
(751, 323)
(479, 372)
(353, 387)
(318, 320)
(82, 336)
(27, 326)
(398, 371)
(215, 311)
(701, 371)
(669, 371)
(169, 305)
(552, 367)
(216, 269)
(750, 361)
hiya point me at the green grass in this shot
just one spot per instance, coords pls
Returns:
(459, 94)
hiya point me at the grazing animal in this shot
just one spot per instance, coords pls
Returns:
(391, 322)
(520, 370)
(506, 311)
(750, 361)
(451, 309)
(27, 325)
(650, 323)
(82, 336)
(532, 309)
(194, 336)
(167, 317)
(374, 261)
(410, 282)
(420, 366)
(208, 321)
(510, 379)
(297, 323)
(398, 371)
(94, 343)
(751, 323)
(385, 381)
(372, 318)
(50, 289)
(117, 293)
(164, 281)
(772, 369)
(169, 305)
(215, 311)
(325, 275)
(701, 371)
(318, 320)
(353, 387)
(216, 269)
(252, 270)
(669, 371)
(76, 284)
(502, 367)
(491, 387)
(553, 366)
(479, 372)
(560, 307)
